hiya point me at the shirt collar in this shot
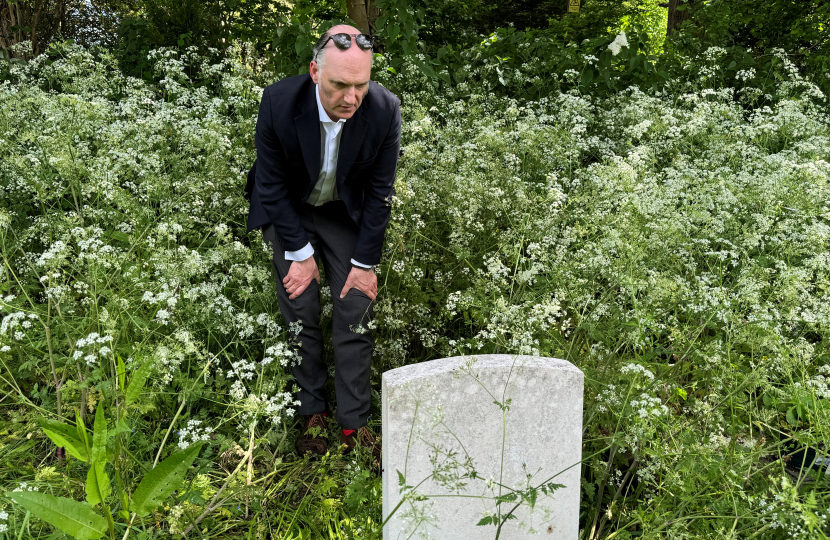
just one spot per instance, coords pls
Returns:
(324, 117)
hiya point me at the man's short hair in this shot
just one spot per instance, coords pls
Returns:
(318, 54)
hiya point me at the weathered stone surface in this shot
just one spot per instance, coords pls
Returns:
(440, 403)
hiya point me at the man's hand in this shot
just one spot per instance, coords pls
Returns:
(363, 280)
(300, 274)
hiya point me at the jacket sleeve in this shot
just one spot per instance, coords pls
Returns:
(271, 180)
(378, 193)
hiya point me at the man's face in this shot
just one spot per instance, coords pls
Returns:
(344, 80)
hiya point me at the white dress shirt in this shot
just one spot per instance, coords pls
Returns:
(325, 189)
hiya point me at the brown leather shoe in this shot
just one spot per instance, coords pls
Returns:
(366, 440)
(307, 442)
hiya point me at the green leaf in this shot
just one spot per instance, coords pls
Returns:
(137, 382)
(427, 70)
(72, 517)
(98, 486)
(301, 43)
(99, 436)
(409, 27)
(587, 76)
(401, 479)
(162, 481)
(532, 494)
(487, 520)
(121, 372)
(122, 427)
(82, 434)
(791, 419)
(65, 436)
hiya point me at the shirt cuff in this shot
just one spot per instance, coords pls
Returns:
(300, 254)
(360, 264)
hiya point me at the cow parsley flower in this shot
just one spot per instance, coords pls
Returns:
(195, 431)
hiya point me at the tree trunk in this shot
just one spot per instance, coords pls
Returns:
(676, 17)
(364, 13)
(35, 22)
(60, 9)
(7, 20)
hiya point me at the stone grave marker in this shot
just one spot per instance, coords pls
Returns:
(435, 408)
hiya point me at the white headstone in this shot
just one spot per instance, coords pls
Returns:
(448, 405)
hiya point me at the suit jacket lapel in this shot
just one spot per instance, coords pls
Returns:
(350, 141)
(308, 133)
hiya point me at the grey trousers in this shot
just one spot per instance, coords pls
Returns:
(333, 235)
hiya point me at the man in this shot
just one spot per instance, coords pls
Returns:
(321, 187)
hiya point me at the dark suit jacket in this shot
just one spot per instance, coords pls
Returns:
(288, 163)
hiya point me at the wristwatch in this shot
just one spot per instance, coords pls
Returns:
(372, 268)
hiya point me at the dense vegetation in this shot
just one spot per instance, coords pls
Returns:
(654, 210)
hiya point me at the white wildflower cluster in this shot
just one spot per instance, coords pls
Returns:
(168, 296)
(24, 486)
(174, 518)
(273, 408)
(619, 42)
(92, 347)
(283, 353)
(637, 368)
(168, 360)
(782, 510)
(820, 383)
(453, 300)
(54, 255)
(195, 432)
(241, 370)
(745, 74)
(608, 398)
(92, 249)
(15, 324)
(4, 516)
(647, 406)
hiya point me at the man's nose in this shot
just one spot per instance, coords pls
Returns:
(351, 96)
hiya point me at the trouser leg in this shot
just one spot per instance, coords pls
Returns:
(310, 374)
(352, 339)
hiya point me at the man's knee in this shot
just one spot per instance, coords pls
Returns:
(307, 302)
(354, 309)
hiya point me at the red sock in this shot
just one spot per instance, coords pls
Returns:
(348, 432)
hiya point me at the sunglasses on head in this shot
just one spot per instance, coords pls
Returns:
(343, 41)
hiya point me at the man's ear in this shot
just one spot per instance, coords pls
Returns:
(314, 72)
